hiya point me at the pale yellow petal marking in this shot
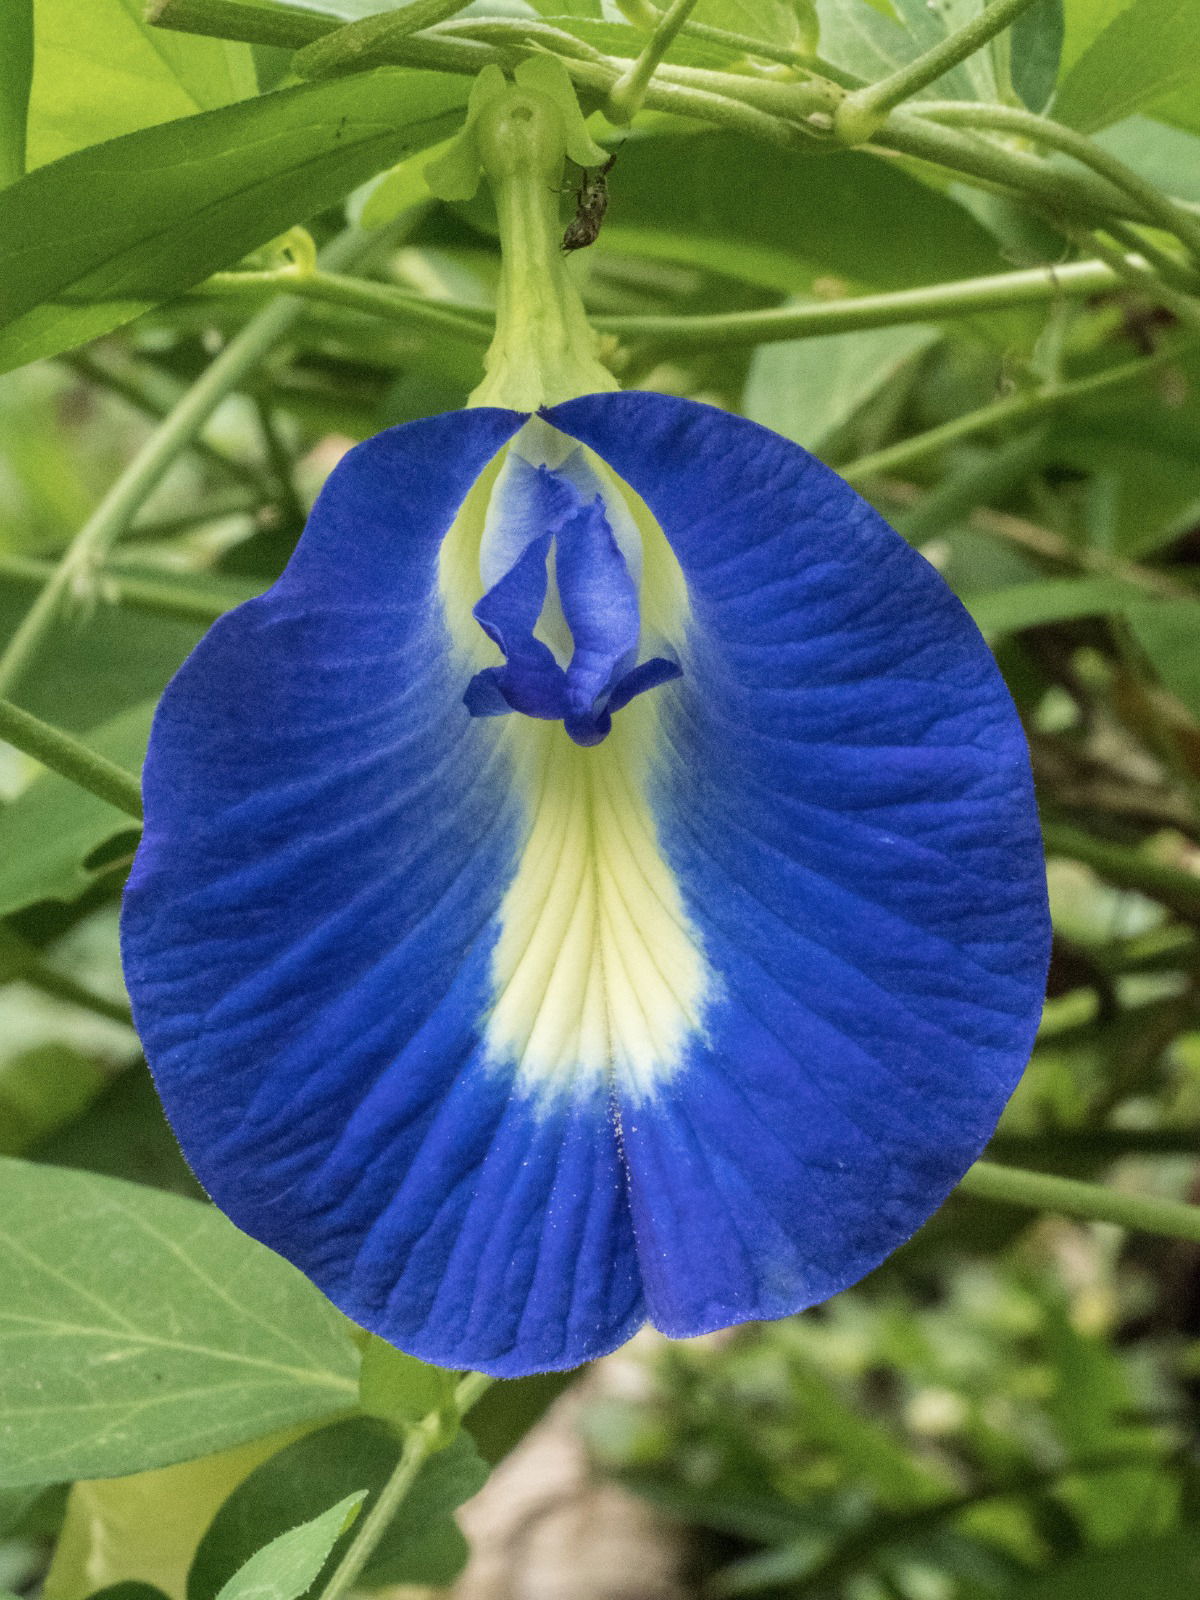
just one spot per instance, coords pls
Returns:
(598, 974)
(597, 970)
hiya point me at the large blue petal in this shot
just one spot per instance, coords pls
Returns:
(307, 937)
(844, 798)
(339, 861)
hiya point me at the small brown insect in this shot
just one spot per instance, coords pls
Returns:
(591, 202)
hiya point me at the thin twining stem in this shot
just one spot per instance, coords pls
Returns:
(626, 95)
(471, 323)
(420, 1442)
(998, 292)
(68, 757)
(182, 424)
(862, 111)
(1090, 1202)
(1014, 408)
(1158, 208)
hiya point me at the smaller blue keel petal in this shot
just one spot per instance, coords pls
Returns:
(533, 510)
(600, 604)
(531, 680)
(649, 675)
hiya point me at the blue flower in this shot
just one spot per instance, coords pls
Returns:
(599, 881)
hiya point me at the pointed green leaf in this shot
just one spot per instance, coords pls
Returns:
(288, 1565)
(729, 203)
(138, 1328)
(422, 1544)
(94, 240)
(1036, 46)
(807, 389)
(101, 71)
(1148, 50)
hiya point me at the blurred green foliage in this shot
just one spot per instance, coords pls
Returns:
(1009, 1406)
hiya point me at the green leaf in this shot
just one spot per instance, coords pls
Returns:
(139, 1329)
(1031, 605)
(101, 71)
(1036, 44)
(857, 37)
(1148, 50)
(776, 22)
(51, 835)
(1168, 156)
(398, 1388)
(1163, 1568)
(125, 1134)
(129, 1590)
(1084, 21)
(744, 208)
(1169, 632)
(288, 1565)
(506, 1412)
(148, 1524)
(809, 388)
(15, 1505)
(422, 1544)
(94, 666)
(43, 1090)
(96, 239)
(16, 73)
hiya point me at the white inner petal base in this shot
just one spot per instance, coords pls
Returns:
(599, 976)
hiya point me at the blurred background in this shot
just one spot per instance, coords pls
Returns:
(1009, 1406)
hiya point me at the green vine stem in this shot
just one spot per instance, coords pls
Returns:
(1164, 213)
(1088, 1202)
(626, 95)
(250, 21)
(73, 760)
(863, 110)
(1014, 408)
(420, 1442)
(777, 112)
(289, 28)
(1085, 194)
(1137, 273)
(198, 600)
(1127, 868)
(472, 324)
(1170, 269)
(142, 476)
(139, 395)
(999, 292)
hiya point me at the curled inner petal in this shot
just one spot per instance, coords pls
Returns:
(590, 607)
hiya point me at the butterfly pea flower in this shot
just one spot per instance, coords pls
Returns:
(599, 882)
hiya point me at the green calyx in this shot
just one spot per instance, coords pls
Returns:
(519, 136)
